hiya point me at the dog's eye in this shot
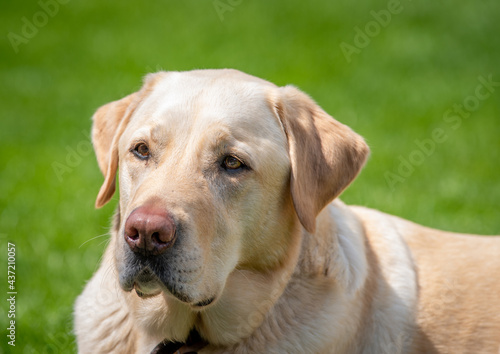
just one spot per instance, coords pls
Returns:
(141, 150)
(232, 163)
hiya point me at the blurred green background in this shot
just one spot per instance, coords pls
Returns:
(394, 80)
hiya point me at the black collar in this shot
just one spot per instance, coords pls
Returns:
(193, 343)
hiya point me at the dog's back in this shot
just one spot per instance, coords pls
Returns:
(458, 288)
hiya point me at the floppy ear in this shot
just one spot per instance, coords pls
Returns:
(110, 121)
(325, 155)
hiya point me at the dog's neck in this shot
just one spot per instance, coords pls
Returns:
(336, 250)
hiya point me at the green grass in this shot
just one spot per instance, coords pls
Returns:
(394, 91)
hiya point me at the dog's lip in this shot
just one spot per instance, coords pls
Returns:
(147, 285)
(145, 294)
(144, 281)
(204, 303)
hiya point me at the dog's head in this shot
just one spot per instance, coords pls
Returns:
(216, 169)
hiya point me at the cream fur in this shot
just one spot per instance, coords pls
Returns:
(291, 270)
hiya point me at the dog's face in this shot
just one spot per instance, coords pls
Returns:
(216, 170)
(211, 155)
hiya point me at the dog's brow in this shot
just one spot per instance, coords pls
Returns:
(224, 143)
(158, 134)
(221, 143)
(140, 133)
(221, 138)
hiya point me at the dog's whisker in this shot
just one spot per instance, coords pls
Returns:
(93, 238)
(104, 242)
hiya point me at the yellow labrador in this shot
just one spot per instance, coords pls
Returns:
(228, 237)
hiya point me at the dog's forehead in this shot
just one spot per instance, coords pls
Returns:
(204, 99)
(192, 113)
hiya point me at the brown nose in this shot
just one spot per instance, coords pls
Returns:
(149, 230)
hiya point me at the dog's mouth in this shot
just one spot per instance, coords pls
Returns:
(144, 294)
(147, 284)
(144, 282)
(204, 303)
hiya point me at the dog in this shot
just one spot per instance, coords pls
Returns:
(229, 236)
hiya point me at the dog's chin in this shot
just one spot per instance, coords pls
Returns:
(148, 290)
(147, 285)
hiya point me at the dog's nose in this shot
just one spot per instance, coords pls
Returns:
(149, 230)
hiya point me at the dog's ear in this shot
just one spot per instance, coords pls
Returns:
(109, 122)
(325, 155)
